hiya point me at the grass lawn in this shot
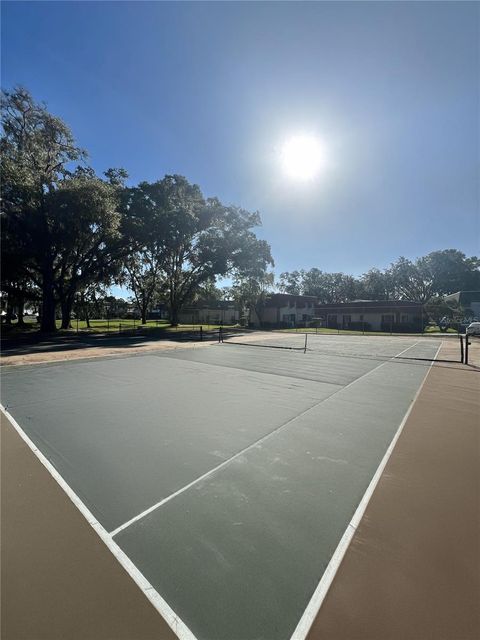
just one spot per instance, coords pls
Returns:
(118, 325)
(121, 325)
(113, 325)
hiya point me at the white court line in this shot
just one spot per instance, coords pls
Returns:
(250, 446)
(313, 607)
(171, 618)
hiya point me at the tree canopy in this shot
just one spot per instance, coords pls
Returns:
(62, 222)
(180, 241)
(436, 274)
(68, 234)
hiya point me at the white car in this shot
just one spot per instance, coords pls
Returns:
(473, 329)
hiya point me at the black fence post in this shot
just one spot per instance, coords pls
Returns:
(461, 348)
(201, 334)
(305, 348)
(466, 348)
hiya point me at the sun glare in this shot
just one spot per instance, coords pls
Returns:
(302, 157)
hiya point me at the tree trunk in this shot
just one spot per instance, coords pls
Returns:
(67, 305)
(48, 303)
(174, 315)
(9, 316)
(144, 315)
(259, 312)
(21, 312)
(173, 305)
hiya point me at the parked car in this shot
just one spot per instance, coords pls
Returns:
(473, 329)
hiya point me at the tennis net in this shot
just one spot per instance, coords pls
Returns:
(350, 346)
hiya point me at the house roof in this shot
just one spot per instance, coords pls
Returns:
(359, 305)
(283, 299)
(465, 297)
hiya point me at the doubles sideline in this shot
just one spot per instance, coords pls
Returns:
(326, 580)
(173, 620)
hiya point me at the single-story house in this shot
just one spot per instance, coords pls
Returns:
(285, 310)
(218, 313)
(372, 315)
(159, 313)
(469, 300)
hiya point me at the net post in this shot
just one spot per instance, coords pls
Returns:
(461, 348)
(466, 348)
(220, 335)
(201, 333)
(305, 348)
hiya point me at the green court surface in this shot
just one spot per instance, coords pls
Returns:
(227, 474)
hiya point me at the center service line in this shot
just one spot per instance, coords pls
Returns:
(251, 446)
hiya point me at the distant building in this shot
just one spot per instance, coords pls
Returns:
(285, 310)
(468, 300)
(372, 315)
(217, 313)
(159, 313)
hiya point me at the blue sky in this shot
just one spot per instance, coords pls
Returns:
(210, 90)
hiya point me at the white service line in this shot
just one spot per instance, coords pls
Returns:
(171, 618)
(250, 446)
(313, 607)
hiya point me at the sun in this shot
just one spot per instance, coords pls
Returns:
(302, 157)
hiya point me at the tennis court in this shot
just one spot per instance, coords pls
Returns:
(226, 478)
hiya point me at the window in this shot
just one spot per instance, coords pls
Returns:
(305, 317)
(388, 318)
(346, 321)
(404, 317)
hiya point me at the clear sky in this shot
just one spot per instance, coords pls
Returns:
(211, 90)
